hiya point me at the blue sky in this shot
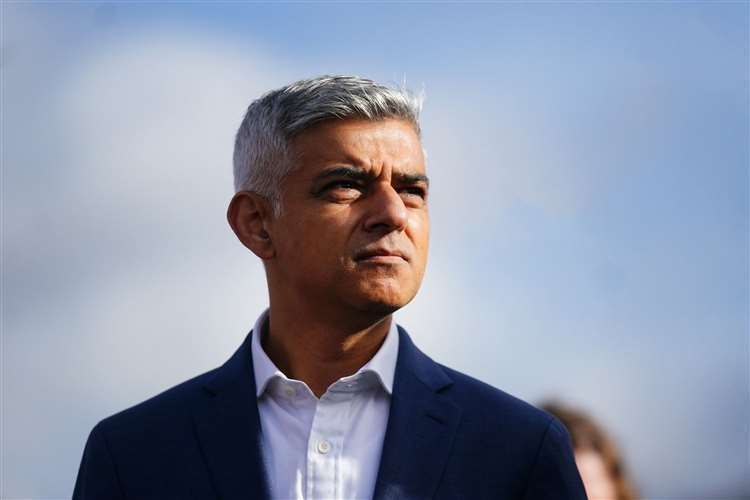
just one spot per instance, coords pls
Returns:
(589, 210)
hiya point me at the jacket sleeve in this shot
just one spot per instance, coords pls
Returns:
(555, 475)
(97, 476)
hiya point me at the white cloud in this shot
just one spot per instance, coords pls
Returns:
(124, 277)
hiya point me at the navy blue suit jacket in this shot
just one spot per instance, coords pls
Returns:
(448, 436)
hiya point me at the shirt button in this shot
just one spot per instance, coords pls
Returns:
(289, 391)
(324, 447)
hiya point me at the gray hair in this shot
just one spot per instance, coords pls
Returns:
(262, 146)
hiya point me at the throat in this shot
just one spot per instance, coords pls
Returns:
(319, 355)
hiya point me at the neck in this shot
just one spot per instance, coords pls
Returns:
(319, 351)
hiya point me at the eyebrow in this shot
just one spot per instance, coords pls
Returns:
(360, 174)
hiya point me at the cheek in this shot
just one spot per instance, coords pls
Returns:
(319, 238)
(419, 233)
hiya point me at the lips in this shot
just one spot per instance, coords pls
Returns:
(380, 255)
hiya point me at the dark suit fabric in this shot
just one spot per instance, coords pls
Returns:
(448, 437)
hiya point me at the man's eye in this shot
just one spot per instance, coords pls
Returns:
(342, 185)
(343, 190)
(415, 191)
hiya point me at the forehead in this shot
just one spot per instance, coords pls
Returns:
(367, 144)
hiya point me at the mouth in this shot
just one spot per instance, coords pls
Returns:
(381, 256)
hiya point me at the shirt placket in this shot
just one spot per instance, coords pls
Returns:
(325, 445)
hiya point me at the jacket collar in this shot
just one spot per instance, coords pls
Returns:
(229, 432)
(421, 426)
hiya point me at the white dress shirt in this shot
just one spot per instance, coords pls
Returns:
(327, 448)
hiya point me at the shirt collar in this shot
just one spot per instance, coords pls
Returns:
(382, 364)
(263, 367)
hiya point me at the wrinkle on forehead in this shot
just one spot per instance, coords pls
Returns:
(362, 143)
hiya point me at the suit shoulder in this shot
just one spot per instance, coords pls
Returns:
(475, 396)
(168, 405)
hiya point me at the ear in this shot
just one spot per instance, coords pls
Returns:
(249, 215)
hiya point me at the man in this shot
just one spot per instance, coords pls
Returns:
(327, 398)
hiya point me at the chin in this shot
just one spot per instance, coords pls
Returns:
(385, 299)
(379, 309)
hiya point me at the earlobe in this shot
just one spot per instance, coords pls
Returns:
(248, 215)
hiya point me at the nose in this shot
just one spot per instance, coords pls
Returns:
(386, 211)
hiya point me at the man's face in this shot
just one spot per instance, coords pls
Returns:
(354, 225)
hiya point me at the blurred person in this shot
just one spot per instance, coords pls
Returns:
(598, 459)
(327, 397)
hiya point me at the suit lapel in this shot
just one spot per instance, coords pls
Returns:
(421, 427)
(229, 432)
(417, 443)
